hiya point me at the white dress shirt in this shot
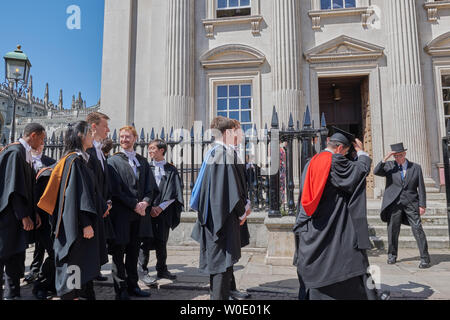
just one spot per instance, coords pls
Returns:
(98, 150)
(27, 147)
(159, 173)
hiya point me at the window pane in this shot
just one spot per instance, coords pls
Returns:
(246, 116)
(222, 91)
(337, 4)
(234, 91)
(246, 128)
(234, 115)
(246, 90)
(234, 104)
(446, 94)
(222, 104)
(221, 4)
(246, 103)
(447, 108)
(350, 3)
(325, 4)
(234, 3)
(245, 3)
(222, 114)
(446, 81)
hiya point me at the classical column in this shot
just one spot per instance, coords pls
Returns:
(406, 82)
(180, 65)
(287, 91)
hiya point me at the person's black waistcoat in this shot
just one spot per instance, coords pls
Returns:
(409, 192)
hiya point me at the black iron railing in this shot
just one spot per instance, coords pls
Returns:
(261, 153)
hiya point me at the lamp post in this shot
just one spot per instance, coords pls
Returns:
(17, 71)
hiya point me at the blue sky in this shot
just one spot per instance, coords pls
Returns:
(67, 59)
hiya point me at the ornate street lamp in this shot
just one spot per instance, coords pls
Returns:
(17, 71)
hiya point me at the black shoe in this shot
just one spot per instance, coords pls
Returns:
(101, 278)
(137, 292)
(31, 277)
(166, 275)
(239, 295)
(424, 265)
(149, 280)
(123, 295)
(392, 260)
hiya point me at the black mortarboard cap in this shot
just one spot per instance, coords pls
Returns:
(342, 136)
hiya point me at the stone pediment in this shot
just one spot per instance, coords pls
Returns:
(231, 56)
(344, 48)
(439, 46)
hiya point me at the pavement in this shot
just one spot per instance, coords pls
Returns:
(404, 280)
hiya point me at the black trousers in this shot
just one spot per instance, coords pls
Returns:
(38, 257)
(125, 260)
(219, 285)
(161, 254)
(394, 224)
(13, 269)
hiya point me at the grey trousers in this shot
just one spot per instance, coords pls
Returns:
(394, 224)
(220, 285)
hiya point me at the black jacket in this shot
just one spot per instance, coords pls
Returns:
(410, 192)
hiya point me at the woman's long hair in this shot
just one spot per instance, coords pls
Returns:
(73, 136)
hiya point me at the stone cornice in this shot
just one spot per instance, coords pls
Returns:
(344, 48)
(439, 46)
(317, 15)
(254, 21)
(433, 8)
(233, 55)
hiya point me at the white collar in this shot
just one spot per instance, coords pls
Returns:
(25, 145)
(36, 157)
(129, 154)
(97, 144)
(329, 150)
(160, 163)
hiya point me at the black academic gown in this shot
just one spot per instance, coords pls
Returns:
(333, 242)
(127, 191)
(245, 234)
(16, 200)
(222, 202)
(102, 187)
(169, 189)
(76, 208)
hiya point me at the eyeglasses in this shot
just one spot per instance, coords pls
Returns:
(398, 156)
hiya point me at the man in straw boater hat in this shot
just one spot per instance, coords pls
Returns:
(404, 201)
(331, 224)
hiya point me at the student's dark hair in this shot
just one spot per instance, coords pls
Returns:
(107, 145)
(73, 136)
(160, 144)
(33, 127)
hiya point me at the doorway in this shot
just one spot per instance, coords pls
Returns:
(346, 105)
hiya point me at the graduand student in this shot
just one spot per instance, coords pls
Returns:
(220, 201)
(69, 199)
(331, 224)
(165, 213)
(17, 207)
(133, 194)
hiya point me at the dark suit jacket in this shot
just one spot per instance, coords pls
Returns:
(412, 188)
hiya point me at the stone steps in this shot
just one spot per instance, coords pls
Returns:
(427, 219)
(410, 242)
(429, 212)
(430, 231)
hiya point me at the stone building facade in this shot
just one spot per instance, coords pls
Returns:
(378, 68)
(32, 109)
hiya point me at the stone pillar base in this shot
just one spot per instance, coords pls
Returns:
(281, 245)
